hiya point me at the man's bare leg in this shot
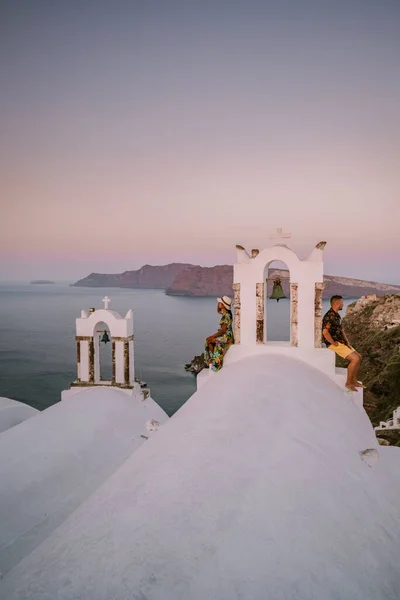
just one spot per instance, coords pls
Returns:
(356, 382)
(352, 371)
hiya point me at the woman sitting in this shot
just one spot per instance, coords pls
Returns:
(218, 344)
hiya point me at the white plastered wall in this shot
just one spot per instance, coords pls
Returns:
(119, 327)
(119, 362)
(83, 365)
(131, 362)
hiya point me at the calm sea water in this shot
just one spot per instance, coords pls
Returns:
(38, 348)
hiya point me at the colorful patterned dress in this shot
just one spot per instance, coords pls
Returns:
(222, 343)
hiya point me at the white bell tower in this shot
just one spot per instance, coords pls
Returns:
(306, 287)
(250, 309)
(88, 349)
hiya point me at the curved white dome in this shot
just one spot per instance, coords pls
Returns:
(13, 412)
(255, 489)
(52, 463)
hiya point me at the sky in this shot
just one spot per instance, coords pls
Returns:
(147, 132)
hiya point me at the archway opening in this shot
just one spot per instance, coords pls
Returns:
(277, 314)
(103, 369)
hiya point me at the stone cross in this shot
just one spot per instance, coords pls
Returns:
(106, 301)
(280, 235)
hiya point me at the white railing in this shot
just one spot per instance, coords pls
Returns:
(391, 423)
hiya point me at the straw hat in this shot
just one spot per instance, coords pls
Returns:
(225, 301)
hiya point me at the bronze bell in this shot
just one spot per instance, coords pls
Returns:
(277, 291)
(105, 338)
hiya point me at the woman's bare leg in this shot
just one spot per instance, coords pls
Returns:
(211, 350)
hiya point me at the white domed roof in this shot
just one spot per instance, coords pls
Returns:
(260, 487)
(13, 412)
(50, 464)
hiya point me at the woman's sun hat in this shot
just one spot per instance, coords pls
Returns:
(225, 301)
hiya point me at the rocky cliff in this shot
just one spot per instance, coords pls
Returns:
(179, 279)
(373, 327)
(217, 281)
(149, 276)
(203, 281)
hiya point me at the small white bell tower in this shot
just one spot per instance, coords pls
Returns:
(88, 348)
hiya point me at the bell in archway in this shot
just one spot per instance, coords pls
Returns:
(105, 338)
(277, 291)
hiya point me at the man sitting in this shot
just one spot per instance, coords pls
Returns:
(336, 340)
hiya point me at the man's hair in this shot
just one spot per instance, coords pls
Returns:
(334, 298)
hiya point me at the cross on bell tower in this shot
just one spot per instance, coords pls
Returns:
(280, 235)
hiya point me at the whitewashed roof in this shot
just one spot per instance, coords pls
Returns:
(13, 412)
(50, 464)
(260, 487)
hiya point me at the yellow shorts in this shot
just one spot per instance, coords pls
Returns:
(342, 350)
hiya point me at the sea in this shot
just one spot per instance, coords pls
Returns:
(38, 347)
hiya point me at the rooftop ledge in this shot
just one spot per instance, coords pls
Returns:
(319, 358)
(322, 359)
(279, 344)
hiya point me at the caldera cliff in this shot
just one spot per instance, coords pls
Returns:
(180, 279)
(372, 325)
(147, 277)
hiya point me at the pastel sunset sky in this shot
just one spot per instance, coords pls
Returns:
(152, 131)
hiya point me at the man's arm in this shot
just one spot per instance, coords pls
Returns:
(327, 336)
(345, 337)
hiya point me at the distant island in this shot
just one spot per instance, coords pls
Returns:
(36, 281)
(181, 279)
